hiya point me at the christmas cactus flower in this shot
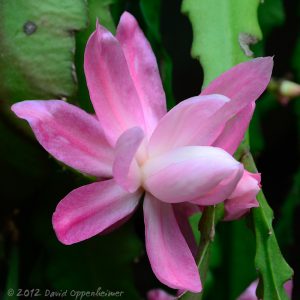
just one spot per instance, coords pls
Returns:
(135, 147)
(158, 294)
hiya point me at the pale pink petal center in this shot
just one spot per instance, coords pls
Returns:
(191, 174)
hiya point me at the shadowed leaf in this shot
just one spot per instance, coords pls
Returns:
(37, 48)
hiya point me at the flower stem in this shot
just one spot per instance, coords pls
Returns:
(210, 217)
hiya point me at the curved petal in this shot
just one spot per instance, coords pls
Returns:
(116, 225)
(125, 169)
(182, 212)
(69, 134)
(170, 257)
(187, 124)
(243, 197)
(158, 294)
(234, 130)
(222, 190)
(243, 84)
(198, 174)
(111, 88)
(143, 69)
(288, 286)
(91, 209)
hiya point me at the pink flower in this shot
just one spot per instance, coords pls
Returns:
(180, 157)
(158, 294)
(243, 197)
(250, 292)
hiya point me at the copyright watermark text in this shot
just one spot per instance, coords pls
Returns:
(76, 294)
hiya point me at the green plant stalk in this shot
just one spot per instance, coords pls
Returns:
(209, 219)
(272, 268)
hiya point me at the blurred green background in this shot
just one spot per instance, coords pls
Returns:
(41, 57)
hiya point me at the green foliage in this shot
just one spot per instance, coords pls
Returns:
(37, 48)
(271, 266)
(223, 31)
(12, 283)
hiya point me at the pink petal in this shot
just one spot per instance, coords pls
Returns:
(187, 209)
(111, 87)
(234, 130)
(170, 257)
(118, 224)
(158, 294)
(69, 134)
(199, 174)
(288, 286)
(187, 124)
(221, 123)
(243, 84)
(243, 197)
(182, 212)
(250, 292)
(125, 169)
(143, 69)
(222, 190)
(91, 209)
